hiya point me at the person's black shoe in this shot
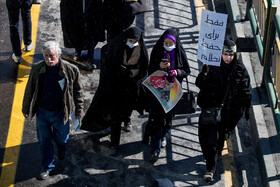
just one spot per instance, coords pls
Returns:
(163, 142)
(44, 174)
(154, 157)
(94, 66)
(127, 127)
(92, 63)
(208, 177)
(61, 152)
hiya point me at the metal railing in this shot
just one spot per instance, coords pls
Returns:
(266, 30)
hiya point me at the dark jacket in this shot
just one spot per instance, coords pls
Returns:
(116, 91)
(72, 94)
(213, 87)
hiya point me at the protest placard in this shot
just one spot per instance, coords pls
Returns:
(168, 94)
(211, 37)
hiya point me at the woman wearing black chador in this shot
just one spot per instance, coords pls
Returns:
(229, 82)
(167, 55)
(124, 62)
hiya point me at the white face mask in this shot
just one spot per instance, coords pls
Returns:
(169, 48)
(131, 45)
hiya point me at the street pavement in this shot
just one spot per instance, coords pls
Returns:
(89, 163)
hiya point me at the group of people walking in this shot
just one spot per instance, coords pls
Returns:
(84, 22)
(54, 91)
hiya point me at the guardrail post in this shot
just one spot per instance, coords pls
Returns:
(269, 36)
(269, 17)
(248, 7)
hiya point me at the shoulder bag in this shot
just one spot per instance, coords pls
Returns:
(187, 103)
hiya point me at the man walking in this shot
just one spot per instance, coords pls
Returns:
(15, 7)
(53, 91)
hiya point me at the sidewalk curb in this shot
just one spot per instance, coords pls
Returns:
(258, 125)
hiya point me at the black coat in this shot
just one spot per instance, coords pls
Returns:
(117, 91)
(78, 26)
(213, 87)
(158, 119)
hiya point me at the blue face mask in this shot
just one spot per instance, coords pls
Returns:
(131, 45)
(169, 48)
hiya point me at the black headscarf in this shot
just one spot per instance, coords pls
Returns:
(133, 32)
(181, 60)
(229, 47)
(112, 52)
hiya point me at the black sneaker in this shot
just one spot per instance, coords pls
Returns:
(94, 66)
(127, 127)
(163, 142)
(208, 176)
(154, 157)
(44, 174)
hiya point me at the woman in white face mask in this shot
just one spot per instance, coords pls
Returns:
(124, 62)
(167, 55)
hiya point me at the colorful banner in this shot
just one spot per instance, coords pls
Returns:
(168, 94)
(211, 37)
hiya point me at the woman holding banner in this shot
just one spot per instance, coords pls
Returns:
(167, 55)
(225, 89)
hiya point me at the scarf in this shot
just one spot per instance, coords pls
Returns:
(170, 55)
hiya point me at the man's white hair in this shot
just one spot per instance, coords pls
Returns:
(51, 45)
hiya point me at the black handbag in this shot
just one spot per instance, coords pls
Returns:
(210, 115)
(187, 103)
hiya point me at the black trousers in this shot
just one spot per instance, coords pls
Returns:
(116, 126)
(211, 139)
(15, 8)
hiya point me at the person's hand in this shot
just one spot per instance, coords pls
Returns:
(172, 73)
(168, 78)
(164, 64)
(25, 115)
